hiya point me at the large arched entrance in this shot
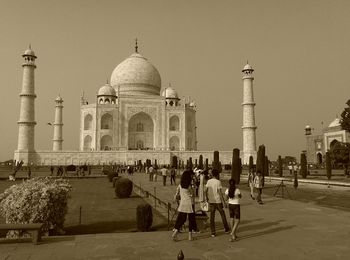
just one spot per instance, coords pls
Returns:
(141, 131)
(174, 143)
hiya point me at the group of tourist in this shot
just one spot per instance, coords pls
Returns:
(164, 171)
(212, 198)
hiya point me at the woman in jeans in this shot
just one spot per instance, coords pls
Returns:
(185, 206)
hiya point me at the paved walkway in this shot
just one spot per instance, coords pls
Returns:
(279, 229)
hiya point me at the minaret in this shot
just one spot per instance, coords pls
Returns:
(26, 122)
(249, 127)
(58, 125)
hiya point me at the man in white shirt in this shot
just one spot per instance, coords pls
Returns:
(164, 172)
(213, 191)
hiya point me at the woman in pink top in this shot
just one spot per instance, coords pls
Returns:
(185, 207)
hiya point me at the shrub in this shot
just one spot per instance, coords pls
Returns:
(115, 180)
(144, 217)
(123, 188)
(38, 200)
(111, 174)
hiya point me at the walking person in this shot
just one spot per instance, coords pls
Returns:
(51, 170)
(155, 173)
(234, 196)
(258, 184)
(185, 209)
(172, 175)
(216, 201)
(164, 172)
(150, 172)
(251, 176)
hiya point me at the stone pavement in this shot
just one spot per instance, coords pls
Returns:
(279, 229)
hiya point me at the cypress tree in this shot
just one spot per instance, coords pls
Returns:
(216, 161)
(303, 165)
(174, 162)
(260, 161)
(190, 163)
(236, 166)
(280, 166)
(206, 163)
(200, 163)
(251, 163)
(328, 166)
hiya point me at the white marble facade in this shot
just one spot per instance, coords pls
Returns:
(131, 114)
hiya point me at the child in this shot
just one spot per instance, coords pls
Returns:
(234, 207)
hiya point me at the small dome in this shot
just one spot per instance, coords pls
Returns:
(335, 122)
(106, 90)
(136, 76)
(29, 52)
(247, 67)
(169, 92)
(307, 127)
(59, 99)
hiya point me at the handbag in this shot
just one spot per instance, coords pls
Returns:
(205, 206)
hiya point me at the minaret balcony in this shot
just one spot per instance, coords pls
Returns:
(248, 103)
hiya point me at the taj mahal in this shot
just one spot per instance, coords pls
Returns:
(133, 118)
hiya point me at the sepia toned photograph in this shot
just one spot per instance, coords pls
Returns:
(174, 129)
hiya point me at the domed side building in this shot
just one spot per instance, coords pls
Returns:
(130, 113)
(318, 144)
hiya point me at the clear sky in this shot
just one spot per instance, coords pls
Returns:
(299, 50)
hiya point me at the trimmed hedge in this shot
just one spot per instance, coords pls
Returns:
(123, 188)
(144, 217)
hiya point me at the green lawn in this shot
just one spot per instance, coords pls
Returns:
(102, 211)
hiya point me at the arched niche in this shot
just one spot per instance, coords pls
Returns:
(106, 121)
(88, 122)
(174, 143)
(174, 123)
(106, 143)
(87, 143)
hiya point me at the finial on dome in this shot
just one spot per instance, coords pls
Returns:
(136, 46)
(30, 46)
(107, 81)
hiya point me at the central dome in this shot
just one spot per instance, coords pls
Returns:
(136, 76)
